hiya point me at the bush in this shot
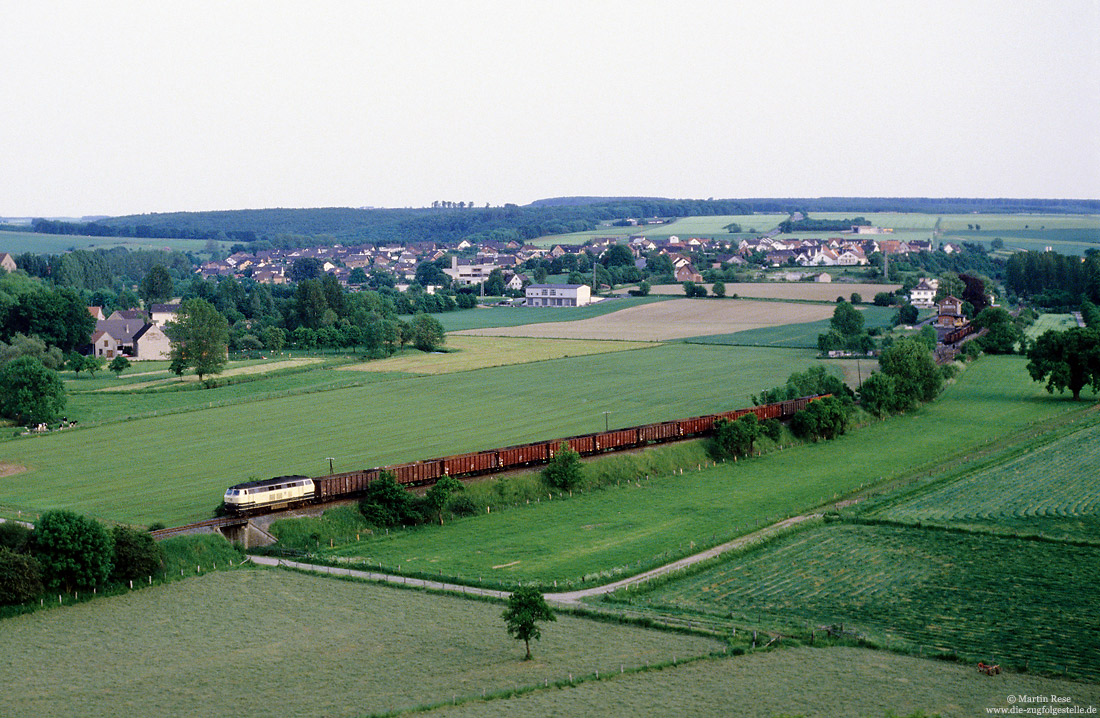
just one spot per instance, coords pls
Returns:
(387, 503)
(75, 551)
(20, 577)
(14, 536)
(461, 505)
(136, 554)
(822, 419)
(564, 470)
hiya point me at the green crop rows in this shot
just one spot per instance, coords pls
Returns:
(1012, 601)
(1053, 489)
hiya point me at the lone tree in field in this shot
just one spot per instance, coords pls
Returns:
(1067, 360)
(200, 338)
(427, 332)
(526, 607)
(564, 470)
(118, 365)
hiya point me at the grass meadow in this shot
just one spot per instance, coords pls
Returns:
(1048, 487)
(627, 528)
(466, 353)
(486, 317)
(19, 242)
(802, 335)
(1048, 322)
(1004, 600)
(175, 468)
(827, 683)
(269, 641)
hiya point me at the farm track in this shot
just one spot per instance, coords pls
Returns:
(570, 599)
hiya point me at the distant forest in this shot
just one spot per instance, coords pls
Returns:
(299, 227)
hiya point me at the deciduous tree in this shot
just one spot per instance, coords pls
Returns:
(200, 337)
(156, 287)
(526, 609)
(75, 551)
(29, 392)
(427, 332)
(1066, 360)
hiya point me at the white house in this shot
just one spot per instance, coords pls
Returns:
(923, 294)
(558, 295)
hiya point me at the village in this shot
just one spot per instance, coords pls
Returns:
(472, 263)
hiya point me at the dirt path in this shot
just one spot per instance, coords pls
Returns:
(569, 598)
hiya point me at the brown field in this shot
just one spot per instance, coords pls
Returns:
(465, 353)
(813, 291)
(670, 320)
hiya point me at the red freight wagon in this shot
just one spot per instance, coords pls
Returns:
(616, 439)
(418, 472)
(659, 432)
(582, 444)
(525, 454)
(349, 483)
(697, 425)
(476, 462)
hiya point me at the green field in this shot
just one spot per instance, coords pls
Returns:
(684, 228)
(486, 317)
(1047, 322)
(829, 683)
(280, 643)
(1050, 488)
(175, 468)
(1005, 600)
(632, 526)
(795, 335)
(20, 242)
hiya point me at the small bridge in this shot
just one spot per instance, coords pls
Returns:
(236, 529)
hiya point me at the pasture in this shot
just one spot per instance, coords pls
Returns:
(790, 291)
(466, 353)
(1049, 487)
(645, 523)
(174, 468)
(683, 227)
(936, 590)
(796, 335)
(238, 642)
(483, 317)
(1050, 322)
(827, 683)
(20, 242)
(672, 319)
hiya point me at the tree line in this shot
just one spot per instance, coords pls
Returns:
(1050, 279)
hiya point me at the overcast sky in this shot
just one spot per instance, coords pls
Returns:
(130, 107)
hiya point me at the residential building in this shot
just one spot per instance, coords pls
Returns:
(558, 295)
(923, 295)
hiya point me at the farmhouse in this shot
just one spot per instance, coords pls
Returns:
(558, 295)
(7, 262)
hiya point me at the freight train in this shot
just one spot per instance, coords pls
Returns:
(289, 491)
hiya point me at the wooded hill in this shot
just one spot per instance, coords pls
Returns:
(446, 225)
